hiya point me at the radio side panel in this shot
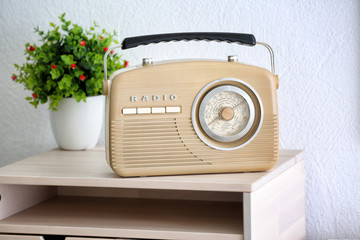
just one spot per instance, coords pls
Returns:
(145, 144)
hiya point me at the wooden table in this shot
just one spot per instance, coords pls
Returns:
(74, 195)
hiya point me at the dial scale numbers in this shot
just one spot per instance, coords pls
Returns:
(238, 113)
(226, 113)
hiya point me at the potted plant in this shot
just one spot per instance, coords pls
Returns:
(66, 70)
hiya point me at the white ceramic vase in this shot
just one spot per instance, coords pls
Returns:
(77, 125)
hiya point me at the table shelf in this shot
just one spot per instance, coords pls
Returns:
(131, 218)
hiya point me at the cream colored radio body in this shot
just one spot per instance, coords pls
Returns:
(188, 117)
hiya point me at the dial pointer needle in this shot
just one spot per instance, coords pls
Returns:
(213, 120)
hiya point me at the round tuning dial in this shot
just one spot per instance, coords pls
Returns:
(227, 114)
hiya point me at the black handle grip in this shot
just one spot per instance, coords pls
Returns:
(240, 38)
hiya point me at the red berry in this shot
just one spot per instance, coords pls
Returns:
(13, 77)
(73, 66)
(82, 43)
(126, 63)
(34, 95)
(82, 77)
(101, 37)
(53, 66)
(31, 48)
(112, 52)
(105, 49)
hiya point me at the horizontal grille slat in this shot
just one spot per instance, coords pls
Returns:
(150, 138)
(181, 164)
(176, 151)
(171, 157)
(153, 130)
(175, 132)
(149, 143)
(210, 159)
(149, 122)
(157, 134)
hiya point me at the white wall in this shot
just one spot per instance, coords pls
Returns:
(317, 47)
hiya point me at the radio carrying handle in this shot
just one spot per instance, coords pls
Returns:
(240, 38)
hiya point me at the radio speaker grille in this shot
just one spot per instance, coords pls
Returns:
(172, 142)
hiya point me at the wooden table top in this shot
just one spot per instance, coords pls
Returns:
(89, 169)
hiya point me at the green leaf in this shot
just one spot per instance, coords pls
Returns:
(43, 100)
(35, 103)
(98, 59)
(42, 68)
(67, 59)
(80, 95)
(48, 85)
(29, 98)
(65, 82)
(52, 24)
(78, 73)
(55, 73)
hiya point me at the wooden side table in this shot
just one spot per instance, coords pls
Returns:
(74, 195)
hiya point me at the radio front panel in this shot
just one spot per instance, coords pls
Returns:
(192, 117)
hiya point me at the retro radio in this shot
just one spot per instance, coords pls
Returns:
(193, 116)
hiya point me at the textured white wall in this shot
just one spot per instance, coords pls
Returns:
(317, 47)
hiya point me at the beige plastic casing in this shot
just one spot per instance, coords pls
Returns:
(166, 143)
